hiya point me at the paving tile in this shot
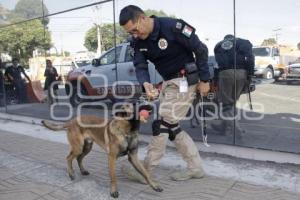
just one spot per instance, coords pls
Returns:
(5, 173)
(18, 195)
(49, 175)
(32, 168)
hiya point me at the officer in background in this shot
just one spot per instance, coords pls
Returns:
(14, 75)
(51, 76)
(170, 44)
(229, 89)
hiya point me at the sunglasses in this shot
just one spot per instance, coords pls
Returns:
(136, 29)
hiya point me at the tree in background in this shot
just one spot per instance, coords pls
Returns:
(159, 13)
(298, 46)
(107, 33)
(3, 15)
(28, 9)
(269, 42)
(22, 39)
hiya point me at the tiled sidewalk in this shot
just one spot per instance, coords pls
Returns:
(35, 169)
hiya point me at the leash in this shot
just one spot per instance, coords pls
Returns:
(249, 95)
(203, 121)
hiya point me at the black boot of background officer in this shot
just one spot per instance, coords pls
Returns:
(225, 124)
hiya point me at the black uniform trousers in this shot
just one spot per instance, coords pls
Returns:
(21, 91)
(229, 90)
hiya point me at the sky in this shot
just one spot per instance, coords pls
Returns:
(256, 20)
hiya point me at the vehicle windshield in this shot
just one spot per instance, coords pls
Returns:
(82, 63)
(261, 51)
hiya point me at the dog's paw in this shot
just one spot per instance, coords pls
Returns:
(85, 173)
(114, 194)
(72, 177)
(157, 188)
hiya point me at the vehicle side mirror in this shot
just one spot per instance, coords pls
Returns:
(96, 62)
(276, 52)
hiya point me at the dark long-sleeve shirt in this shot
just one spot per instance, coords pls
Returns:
(224, 54)
(172, 44)
(51, 75)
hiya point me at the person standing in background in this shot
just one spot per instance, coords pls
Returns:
(14, 75)
(51, 76)
(232, 80)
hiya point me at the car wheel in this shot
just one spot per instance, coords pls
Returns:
(75, 100)
(268, 74)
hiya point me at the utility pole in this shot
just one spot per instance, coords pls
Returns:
(61, 45)
(97, 23)
(277, 34)
(99, 40)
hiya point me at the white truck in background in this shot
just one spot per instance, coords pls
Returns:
(82, 58)
(270, 62)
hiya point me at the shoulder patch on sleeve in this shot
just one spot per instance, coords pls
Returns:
(187, 31)
(184, 28)
(227, 44)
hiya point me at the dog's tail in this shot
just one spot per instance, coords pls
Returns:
(53, 126)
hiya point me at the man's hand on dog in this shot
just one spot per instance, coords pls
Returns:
(151, 91)
(203, 88)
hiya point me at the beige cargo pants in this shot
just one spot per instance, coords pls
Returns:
(174, 107)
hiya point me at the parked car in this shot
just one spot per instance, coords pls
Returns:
(106, 79)
(292, 72)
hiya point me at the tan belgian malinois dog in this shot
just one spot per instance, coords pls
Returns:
(118, 137)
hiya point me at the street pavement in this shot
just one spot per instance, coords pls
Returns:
(277, 130)
(33, 167)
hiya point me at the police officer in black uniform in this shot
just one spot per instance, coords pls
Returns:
(51, 76)
(14, 75)
(229, 87)
(171, 45)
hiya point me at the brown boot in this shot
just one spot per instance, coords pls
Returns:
(187, 174)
